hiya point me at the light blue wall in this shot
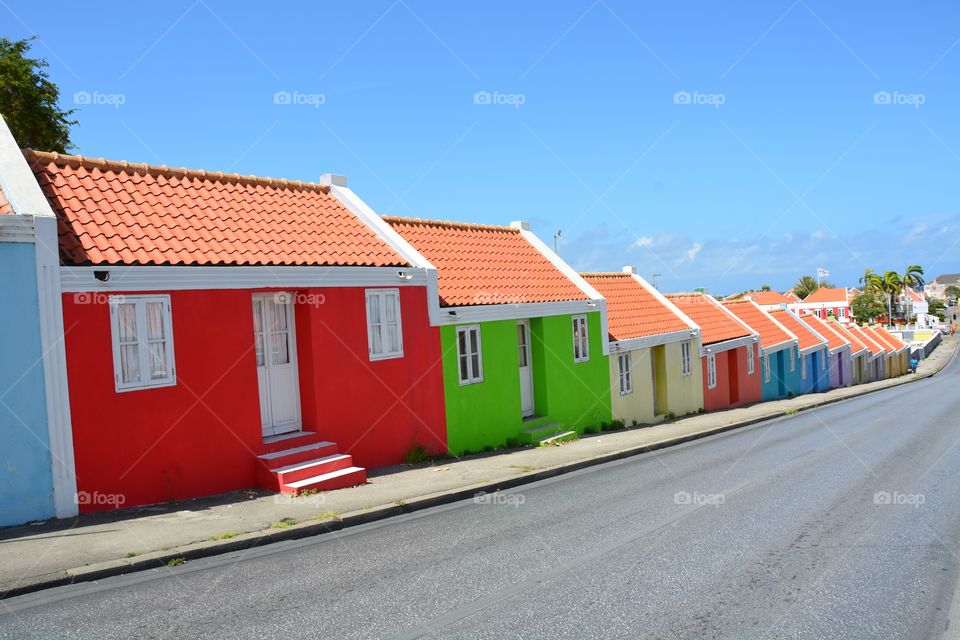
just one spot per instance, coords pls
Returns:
(26, 481)
(823, 374)
(783, 382)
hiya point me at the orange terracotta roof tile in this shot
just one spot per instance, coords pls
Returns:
(633, 311)
(824, 294)
(856, 344)
(716, 323)
(891, 340)
(870, 341)
(767, 297)
(876, 339)
(121, 213)
(807, 337)
(834, 339)
(791, 296)
(771, 335)
(5, 206)
(485, 264)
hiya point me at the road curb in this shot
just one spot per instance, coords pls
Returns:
(253, 539)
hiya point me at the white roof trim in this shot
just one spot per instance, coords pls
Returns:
(646, 342)
(727, 345)
(17, 228)
(519, 311)
(17, 180)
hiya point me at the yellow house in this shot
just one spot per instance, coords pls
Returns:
(655, 370)
(900, 350)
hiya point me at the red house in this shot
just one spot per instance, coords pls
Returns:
(826, 302)
(729, 352)
(226, 331)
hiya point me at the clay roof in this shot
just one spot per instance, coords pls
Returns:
(856, 344)
(889, 339)
(715, 322)
(834, 339)
(807, 337)
(767, 297)
(869, 340)
(824, 294)
(485, 264)
(120, 213)
(771, 334)
(633, 311)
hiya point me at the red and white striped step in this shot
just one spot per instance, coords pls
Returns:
(309, 463)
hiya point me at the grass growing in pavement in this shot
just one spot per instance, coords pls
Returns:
(223, 536)
(131, 554)
(791, 412)
(327, 515)
(286, 522)
(175, 562)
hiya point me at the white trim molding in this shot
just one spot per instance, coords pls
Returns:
(17, 180)
(519, 311)
(17, 228)
(52, 342)
(727, 345)
(176, 278)
(646, 342)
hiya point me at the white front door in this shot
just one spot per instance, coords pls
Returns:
(275, 341)
(526, 368)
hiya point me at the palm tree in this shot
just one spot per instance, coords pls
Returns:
(865, 278)
(912, 278)
(889, 284)
(805, 286)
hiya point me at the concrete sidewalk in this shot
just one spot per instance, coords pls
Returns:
(94, 546)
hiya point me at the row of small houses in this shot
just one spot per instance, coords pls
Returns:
(172, 333)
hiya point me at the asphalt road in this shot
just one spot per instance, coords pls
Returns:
(842, 522)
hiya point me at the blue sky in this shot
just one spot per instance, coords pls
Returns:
(724, 145)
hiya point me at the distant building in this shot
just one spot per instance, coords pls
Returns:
(825, 302)
(937, 287)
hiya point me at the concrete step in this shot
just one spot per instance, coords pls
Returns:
(286, 457)
(296, 439)
(310, 468)
(560, 438)
(339, 479)
(537, 434)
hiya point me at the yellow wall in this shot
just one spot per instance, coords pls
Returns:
(678, 394)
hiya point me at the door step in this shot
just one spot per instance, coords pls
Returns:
(560, 438)
(317, 465)
(339, 479)
(541, 433)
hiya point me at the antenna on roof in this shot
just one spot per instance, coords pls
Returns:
(555, 236)
(653, 280)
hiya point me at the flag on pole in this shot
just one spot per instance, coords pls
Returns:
(822, 273)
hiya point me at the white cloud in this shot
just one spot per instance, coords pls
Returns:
(693, 251)
(643, 241)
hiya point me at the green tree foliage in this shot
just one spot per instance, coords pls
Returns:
(952, 292)
(29, 100)
(867, 307)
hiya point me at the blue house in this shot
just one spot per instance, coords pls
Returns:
(812, 349)
(779, 357)
(37, 478)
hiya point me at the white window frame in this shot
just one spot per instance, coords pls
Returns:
(793, 360)
(384, 298)
(803, 368)
(143, 352)
(766, 367)
(686, 364)
(842, 312)
(625, 373)
(473, 377)
(581, 339)
(711, 371)
(751, 360)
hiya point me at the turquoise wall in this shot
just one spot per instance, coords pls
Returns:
(487, 413)
(26, 481)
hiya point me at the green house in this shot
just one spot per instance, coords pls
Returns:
(523, 336)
